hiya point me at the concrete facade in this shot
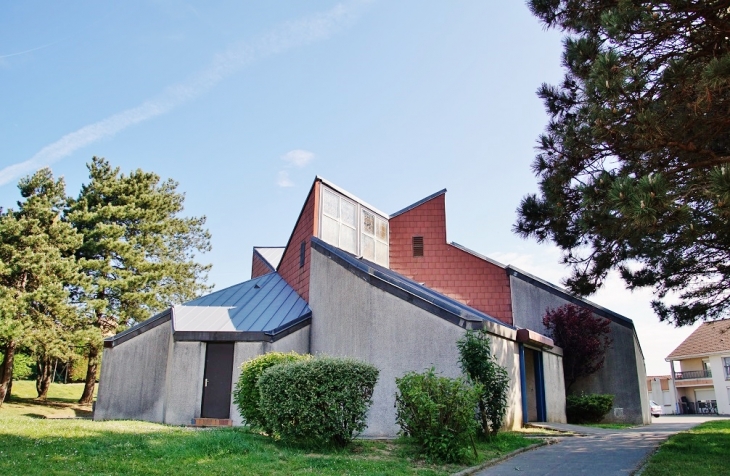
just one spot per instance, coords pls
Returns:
(152, 377)
(355, 319)
(623, 373)
(661, 390)
(554, 387)
(133, 378)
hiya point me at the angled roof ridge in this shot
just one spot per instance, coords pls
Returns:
(418, 203)
(429, 298)
(351, 196)
(299, 217)
(478, 255)
(706, 339)
(565, 294)
(267, 261)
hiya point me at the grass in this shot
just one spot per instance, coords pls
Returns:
(61, 401)
(701, 451)
(610, 426)
(37, 438)
(58, 392)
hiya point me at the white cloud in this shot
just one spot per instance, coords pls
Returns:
(283, 179)
(298, 157)
(309, 29)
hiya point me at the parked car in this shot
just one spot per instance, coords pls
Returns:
(656, 410)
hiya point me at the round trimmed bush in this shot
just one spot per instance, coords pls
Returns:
(321, 401)
(246, 394)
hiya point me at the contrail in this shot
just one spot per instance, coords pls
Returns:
(30, 50)
(288, 35)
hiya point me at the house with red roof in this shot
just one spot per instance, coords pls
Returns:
(701, 369)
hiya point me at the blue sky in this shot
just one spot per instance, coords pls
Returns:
(243, 103)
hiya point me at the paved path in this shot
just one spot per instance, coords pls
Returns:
(596, 451)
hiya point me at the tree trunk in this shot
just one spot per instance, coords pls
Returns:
(9, 392)
(88, 395)
(6, 370)
(43, 381)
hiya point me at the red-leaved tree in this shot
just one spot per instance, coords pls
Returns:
(583, 338)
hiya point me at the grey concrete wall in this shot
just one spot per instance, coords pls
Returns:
(183, 394)
(354, 319)
(554, 387)
(133, 378)
(623, 373)
(296, 341)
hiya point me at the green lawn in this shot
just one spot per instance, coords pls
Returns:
(41, 439)
(611, 426)
(700, 451)
(59, 392)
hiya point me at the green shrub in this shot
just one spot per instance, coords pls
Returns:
(24, 367)
(438, 413)
(478, 363)
(588, 408)
(246, 393)
(319, 401)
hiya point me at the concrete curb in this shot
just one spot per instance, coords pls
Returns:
(492, 462)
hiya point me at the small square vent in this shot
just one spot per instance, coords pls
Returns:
(417, 246)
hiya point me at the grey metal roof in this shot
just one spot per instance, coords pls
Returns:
(265, 304)
(406, 288)
(270, 254)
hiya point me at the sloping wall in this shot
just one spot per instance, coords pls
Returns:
(298, 276)
(443, 267)
(623, 373)
(133, 377)
(355, 319)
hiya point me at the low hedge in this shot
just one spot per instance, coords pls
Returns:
(588, 408)
(246, 393)
(438, 413)
(319, 401)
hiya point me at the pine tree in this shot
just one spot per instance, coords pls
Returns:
(634, 166)
(37, 267)
(137, 251)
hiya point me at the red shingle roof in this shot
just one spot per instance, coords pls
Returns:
(709, 338)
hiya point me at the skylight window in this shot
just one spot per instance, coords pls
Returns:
(352, 227)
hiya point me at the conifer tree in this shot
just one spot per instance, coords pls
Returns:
(37, 267)
(634, 165)
(137, 251)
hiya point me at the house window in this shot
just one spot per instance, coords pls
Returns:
(726, 365)
(417, 246)
(302, 252)
(350, 226)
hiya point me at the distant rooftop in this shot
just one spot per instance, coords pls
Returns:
(709, 338)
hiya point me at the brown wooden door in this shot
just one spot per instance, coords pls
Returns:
(217, 380)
